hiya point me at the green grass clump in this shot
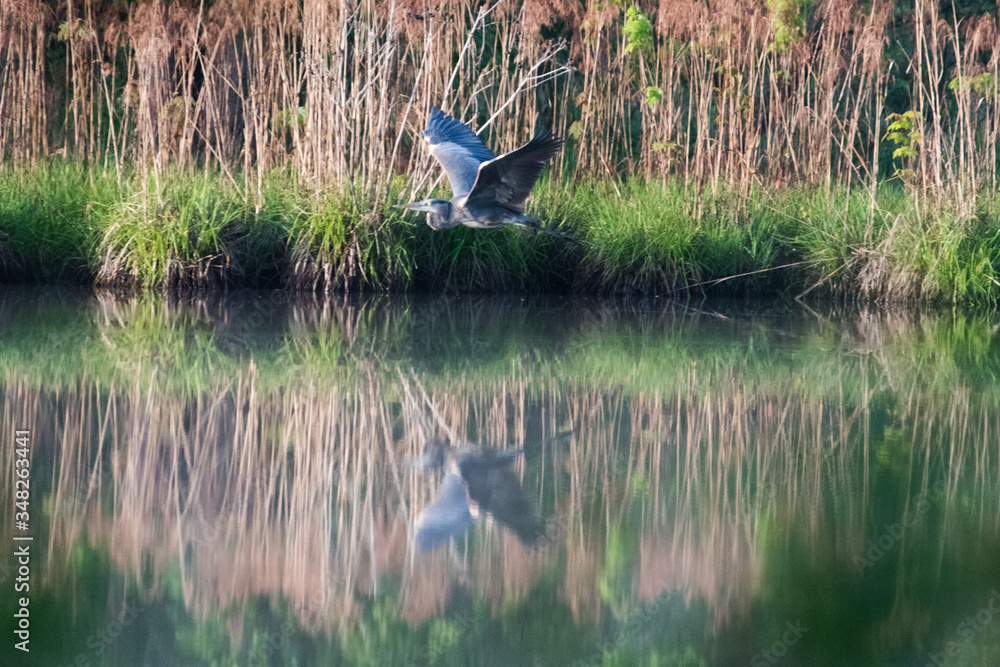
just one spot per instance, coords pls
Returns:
(957, 259)
(44, 231)
(888, 249)
(655, 238)
(61, 221)
(349, 242)
(184, 231)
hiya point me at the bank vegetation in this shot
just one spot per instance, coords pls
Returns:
(783, 145)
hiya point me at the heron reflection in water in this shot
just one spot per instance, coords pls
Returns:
(476, 482)
(488, 191)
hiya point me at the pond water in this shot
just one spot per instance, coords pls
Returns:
(234, 480)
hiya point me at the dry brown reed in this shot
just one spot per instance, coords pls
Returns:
(740, 93)
(23, 108)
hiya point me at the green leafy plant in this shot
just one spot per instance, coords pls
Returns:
(789, 22)
(653, 95)
(904, 133)
(77, 28)
(984, 84)
(638, 31)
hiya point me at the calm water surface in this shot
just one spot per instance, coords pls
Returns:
(233, 481)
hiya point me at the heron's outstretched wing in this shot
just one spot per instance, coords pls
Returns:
(508, 179)
(457, 148)
(496, 489)
(447, 516)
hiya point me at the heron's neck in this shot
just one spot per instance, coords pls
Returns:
(440, 216)
(442, 208)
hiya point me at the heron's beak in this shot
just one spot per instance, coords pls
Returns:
(414, 206)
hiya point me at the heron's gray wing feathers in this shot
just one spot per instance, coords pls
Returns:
(508, 179)
(457, 148)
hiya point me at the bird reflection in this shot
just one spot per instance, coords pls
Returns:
(476, 482)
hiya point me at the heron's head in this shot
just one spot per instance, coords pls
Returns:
(428, 205)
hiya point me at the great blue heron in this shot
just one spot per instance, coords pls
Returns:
(476, 481)
(488, 191)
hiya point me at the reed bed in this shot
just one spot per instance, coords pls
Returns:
(789, 91)
(719, 107)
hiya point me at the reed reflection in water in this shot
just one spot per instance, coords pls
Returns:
(699, 516)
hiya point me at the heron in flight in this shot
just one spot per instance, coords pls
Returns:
(476, 482)
(489, 191)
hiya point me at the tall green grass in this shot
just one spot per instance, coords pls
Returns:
(185, 231)
(651, 238)
(44, 230)
(886, 248)
(197, 231)
(348, 241)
